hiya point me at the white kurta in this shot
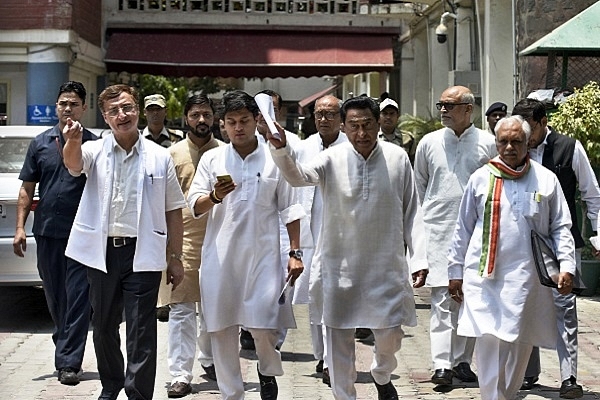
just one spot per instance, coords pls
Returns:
(241, 272)
(312, 201)
(370, 209)
(443, 164)
(512, 305)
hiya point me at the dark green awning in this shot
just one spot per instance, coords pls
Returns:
(579, 36)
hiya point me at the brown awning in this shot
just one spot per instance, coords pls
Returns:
(243, 53)
(313, 97)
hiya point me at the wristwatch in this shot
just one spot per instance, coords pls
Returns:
(177, 256)
(297, 254)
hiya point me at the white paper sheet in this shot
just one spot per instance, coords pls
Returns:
(265, 104)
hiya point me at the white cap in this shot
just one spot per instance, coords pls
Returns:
(388, 103)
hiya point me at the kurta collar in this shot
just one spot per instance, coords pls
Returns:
(469, 131)
(208, 145)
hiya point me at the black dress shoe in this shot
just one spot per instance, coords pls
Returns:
(68, 376)
(108, 395)
(529, 382)
(268, 386)
(179, 389)
(319, 367)
(463, 372)
(162, 313)
(246, 340)
(386, 392)
(442, 377)
(326, 377)
(210, 372)
(362, 333)
(569, 389)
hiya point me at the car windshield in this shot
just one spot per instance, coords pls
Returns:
(12, 154)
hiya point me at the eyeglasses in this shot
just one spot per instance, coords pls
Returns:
(329, 115)
(127, 109)
(448, 106)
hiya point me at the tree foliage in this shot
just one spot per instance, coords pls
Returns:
(176, 92)
(418, 126)
(579, 118)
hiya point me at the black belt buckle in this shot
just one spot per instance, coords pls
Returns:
(119, 241)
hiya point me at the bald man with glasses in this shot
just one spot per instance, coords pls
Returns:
(444, 161)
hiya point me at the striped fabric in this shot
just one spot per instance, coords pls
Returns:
(491, 218)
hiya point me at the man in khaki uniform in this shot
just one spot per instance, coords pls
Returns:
(184, 301)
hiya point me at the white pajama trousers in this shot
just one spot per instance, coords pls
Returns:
(225, 343)
(500, 367)
(447, 348)
(184, 334)
(342, 356)
(317, 335)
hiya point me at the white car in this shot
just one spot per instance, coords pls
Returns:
(14, 141)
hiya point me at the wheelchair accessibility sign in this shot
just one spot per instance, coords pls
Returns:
(41, 115)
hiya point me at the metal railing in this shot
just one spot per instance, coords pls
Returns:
(316, 7)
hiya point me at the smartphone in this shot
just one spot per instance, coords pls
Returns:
(224, 178)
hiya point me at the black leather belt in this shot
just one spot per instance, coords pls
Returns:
(118, 241)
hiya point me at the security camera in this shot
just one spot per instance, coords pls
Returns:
(442, 33)
(442, 30)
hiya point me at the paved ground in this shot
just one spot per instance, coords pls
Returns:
(26, 360)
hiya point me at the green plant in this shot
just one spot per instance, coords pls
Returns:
(579, 118)
(418, 126)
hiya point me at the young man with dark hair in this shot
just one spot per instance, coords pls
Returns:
(244, 196)
(64, 279)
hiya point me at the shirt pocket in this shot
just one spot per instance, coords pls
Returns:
(532, 203)
(265, 192)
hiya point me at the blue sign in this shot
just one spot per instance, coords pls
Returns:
(41, 114)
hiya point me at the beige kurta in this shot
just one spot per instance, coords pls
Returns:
(186, 156)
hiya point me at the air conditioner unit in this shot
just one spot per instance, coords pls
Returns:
(470, 79)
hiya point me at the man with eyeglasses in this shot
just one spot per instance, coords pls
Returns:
(389, 131)
(328, 122)
(370, 211)
(64, 279)
(130, 209)
(444, 161)
(565, 157)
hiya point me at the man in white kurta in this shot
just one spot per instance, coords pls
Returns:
(241, 276)
(328, 122)
(503, 303)
(370, 210)
(186, 330)
(444, 161)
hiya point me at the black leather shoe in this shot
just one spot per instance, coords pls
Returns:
(162, 313)
(268, 386)
(210, 372)
(529, 382)
(463, 372)
(569, 389)
(386, 392)
(442, 377)
(362, 333)
(179, 389)
(108, 395)
(319, 367)
(246, 340)
(326, 377)
(68, 376)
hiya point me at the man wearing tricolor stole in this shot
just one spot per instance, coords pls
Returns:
(491, 270)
